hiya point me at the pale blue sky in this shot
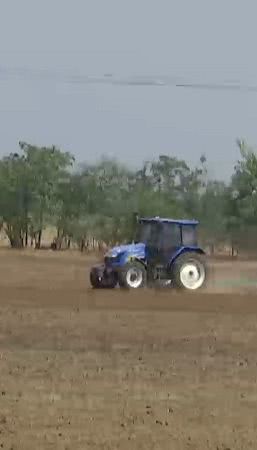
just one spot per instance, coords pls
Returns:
(191, 40)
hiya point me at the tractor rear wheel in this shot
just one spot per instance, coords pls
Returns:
(190, 271)
(132, 276)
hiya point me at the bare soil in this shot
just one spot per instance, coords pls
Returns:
(83, 369)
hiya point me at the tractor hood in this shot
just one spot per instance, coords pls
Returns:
(137, 250)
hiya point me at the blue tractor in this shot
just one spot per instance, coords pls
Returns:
(164, 251)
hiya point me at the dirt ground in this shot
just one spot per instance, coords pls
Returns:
(149, 370)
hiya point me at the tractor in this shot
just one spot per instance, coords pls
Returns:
(165, 251)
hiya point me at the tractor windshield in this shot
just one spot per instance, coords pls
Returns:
(146, 231)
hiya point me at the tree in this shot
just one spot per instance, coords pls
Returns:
(15, 198)
(29, 182)
(47, 167)
(97, 202)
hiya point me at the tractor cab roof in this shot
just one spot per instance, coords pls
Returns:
(176, 221)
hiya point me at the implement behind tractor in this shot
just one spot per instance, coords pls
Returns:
(164, 250)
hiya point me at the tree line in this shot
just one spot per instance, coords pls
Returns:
(41, 186)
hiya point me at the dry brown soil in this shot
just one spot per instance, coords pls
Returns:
(81, 369)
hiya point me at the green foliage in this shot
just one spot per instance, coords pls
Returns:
(29, 184)
(39, 188)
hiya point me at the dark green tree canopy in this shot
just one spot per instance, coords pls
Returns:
(40, 187)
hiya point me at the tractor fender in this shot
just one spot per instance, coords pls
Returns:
(184, 250)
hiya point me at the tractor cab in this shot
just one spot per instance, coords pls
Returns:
(165, 238)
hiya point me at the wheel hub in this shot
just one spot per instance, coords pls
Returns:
(134, 278)
(192, 275)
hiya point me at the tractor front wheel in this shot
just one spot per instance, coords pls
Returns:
(94, 280)
(104, 282)
(132, 276)
(190, 271)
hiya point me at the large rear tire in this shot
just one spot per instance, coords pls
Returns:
(190, 271)
(132, 276)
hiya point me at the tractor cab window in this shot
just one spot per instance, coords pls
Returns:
(189, 235)
(146, 232)
(171, 235)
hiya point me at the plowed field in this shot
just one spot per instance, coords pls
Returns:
(81, 369)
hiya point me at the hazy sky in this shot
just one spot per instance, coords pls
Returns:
(192, 40)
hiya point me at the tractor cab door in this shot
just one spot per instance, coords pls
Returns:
(153, 243)
(170, 242)
(165, 241)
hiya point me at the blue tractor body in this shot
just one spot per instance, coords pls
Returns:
(159, 244)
